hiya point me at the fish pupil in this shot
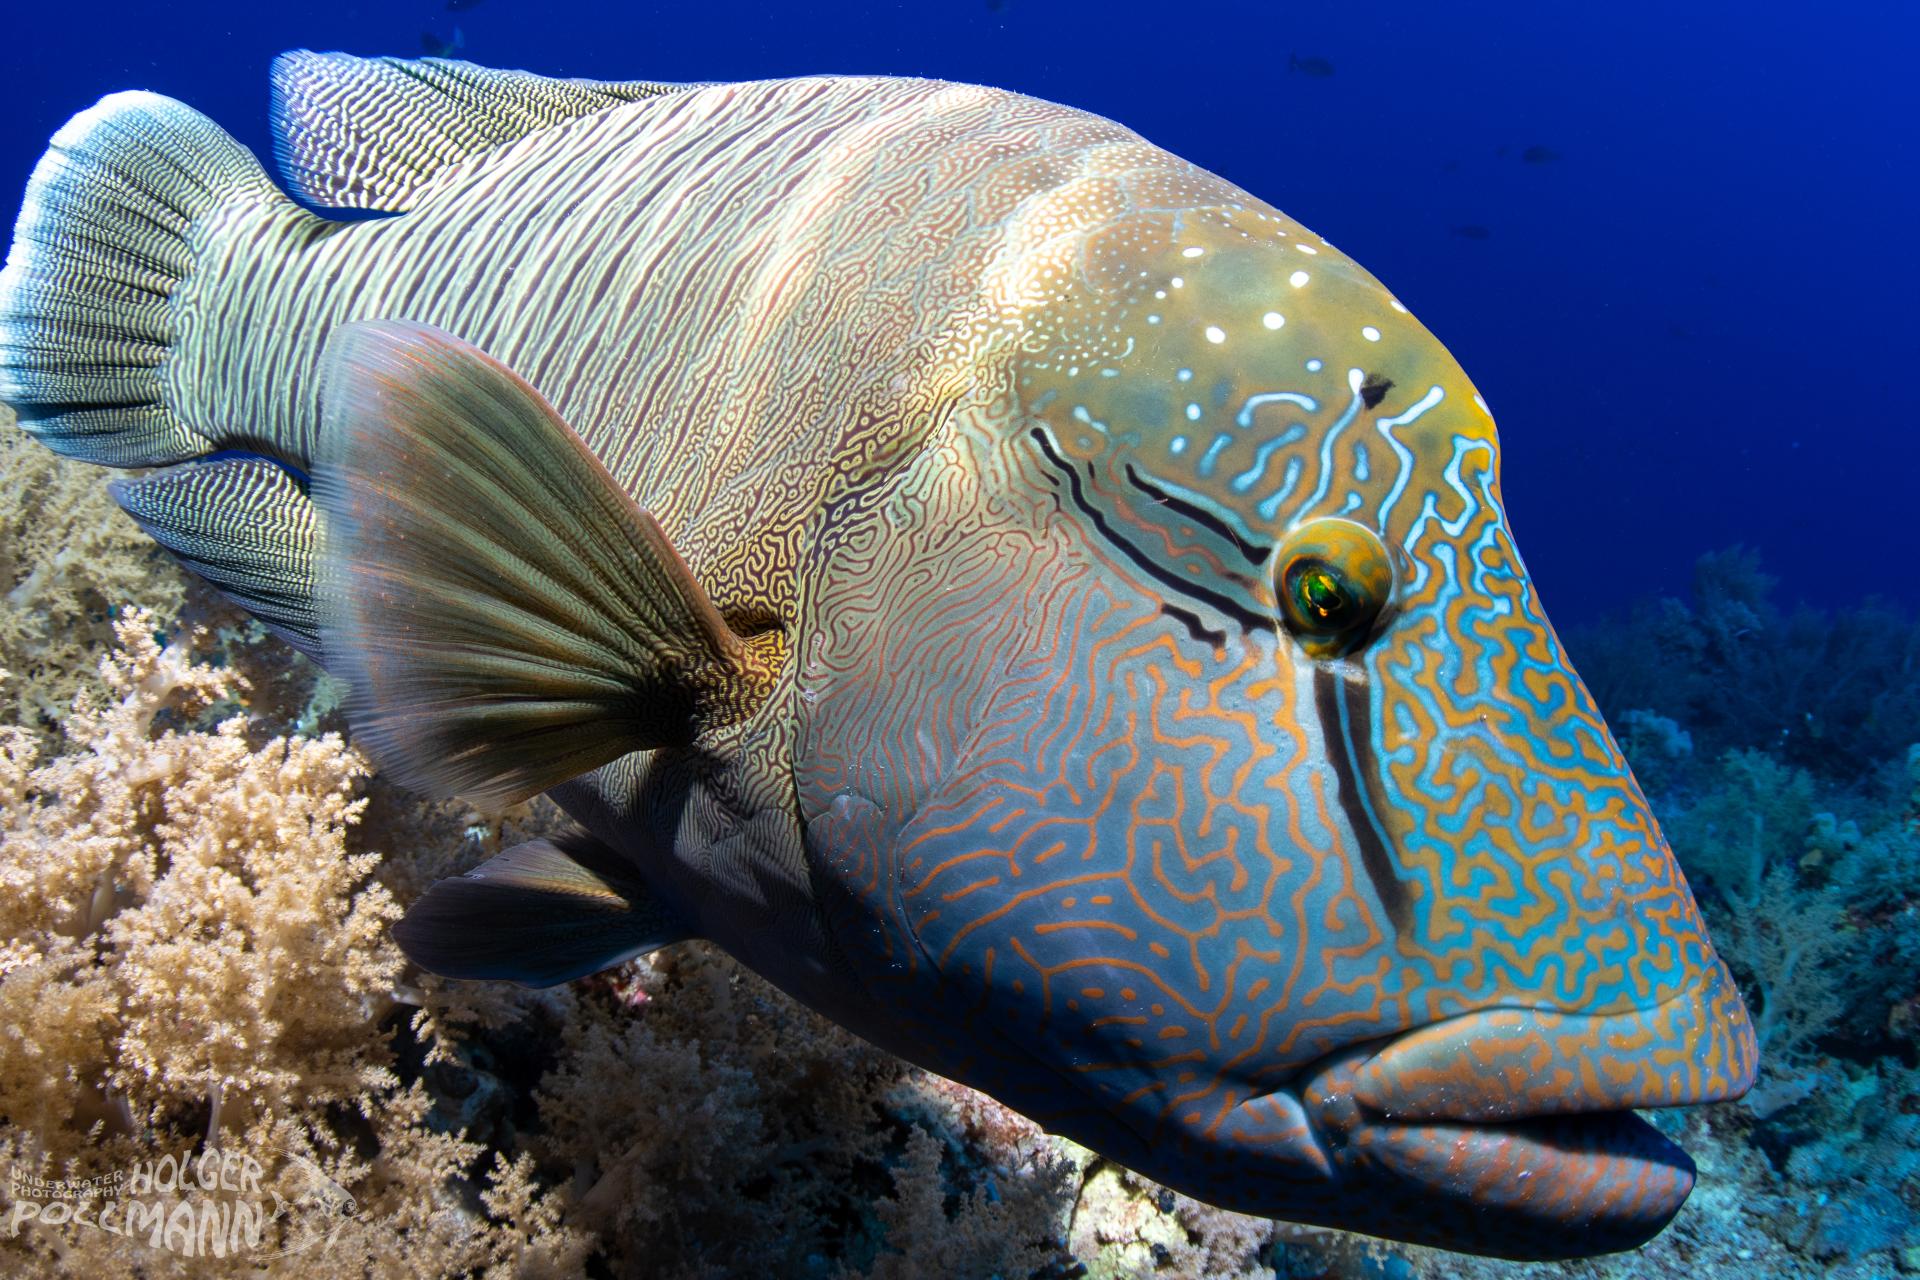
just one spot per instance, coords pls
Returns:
(1320, 593)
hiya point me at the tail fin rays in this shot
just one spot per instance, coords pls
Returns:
(105, 237)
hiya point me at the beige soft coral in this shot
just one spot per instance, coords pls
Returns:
(67, 557)
(195, 958)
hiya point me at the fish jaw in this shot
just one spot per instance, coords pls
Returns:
(1503, 1132)
(1509, 1132)
(1543, 1187)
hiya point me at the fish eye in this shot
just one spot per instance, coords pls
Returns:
(1333, 578)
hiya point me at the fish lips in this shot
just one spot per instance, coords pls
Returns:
(1543, 1188)
(1518, 1122)
(1554, 1188)
(1513, 1063)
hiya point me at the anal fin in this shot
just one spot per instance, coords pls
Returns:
(542, 913)
(246, 525)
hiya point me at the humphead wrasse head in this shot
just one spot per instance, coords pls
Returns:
(1190, 764)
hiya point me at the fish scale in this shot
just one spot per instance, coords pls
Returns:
(1030, 599)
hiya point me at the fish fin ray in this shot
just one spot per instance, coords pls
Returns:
(105, 238)
(369, 133)
(542, 913)
(504, 615)
(246, 525)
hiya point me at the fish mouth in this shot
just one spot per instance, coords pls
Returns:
(1539, 1188)
(1511, 1132)
(1510, 1063)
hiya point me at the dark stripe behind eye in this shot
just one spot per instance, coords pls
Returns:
(1247, 618)
(1199, 515)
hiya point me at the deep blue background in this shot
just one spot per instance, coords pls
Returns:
(1695, 325)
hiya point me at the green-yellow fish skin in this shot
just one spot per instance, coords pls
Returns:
(1097, 666)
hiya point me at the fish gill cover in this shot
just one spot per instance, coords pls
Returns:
(1808, 803)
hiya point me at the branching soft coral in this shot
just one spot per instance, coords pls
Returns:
(67, 557)
(195, 959)
(1743, 841)
(209, 875)
(1825, 689)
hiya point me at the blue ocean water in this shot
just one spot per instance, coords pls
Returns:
(1671, 244)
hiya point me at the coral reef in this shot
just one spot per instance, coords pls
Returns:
(1829, 690)
(67, 557)
(196, 973)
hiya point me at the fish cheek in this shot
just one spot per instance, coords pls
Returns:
(920, 595)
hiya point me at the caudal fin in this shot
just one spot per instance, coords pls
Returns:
(105, 237)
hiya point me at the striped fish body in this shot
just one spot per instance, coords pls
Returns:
(745, 296)
(1030, 599)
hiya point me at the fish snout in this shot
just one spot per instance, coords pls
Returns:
(1546, 1188)
(1553, 1187)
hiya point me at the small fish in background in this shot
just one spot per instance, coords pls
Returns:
(1471, 231)
(1539, 155)
(461, 6)
(1318, 68)
(434, 47)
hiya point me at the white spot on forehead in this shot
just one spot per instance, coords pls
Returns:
(1193, 413)
(1306, 248)
(1397, 305)
(1315, 365)
(1215, 334)
(1153, 319)
(1159, 293)
(1273, 319)
(1178, 282)
(1192, 251)
(1177, 445)
(1483, 404)
(1298, 278)
(1370, 333)
(1185, 375)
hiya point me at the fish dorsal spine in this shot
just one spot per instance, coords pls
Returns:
(370, 133)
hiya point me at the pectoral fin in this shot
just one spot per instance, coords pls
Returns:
(503, 614)
(540, 914)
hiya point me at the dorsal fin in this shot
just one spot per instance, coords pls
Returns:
(367, 133)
